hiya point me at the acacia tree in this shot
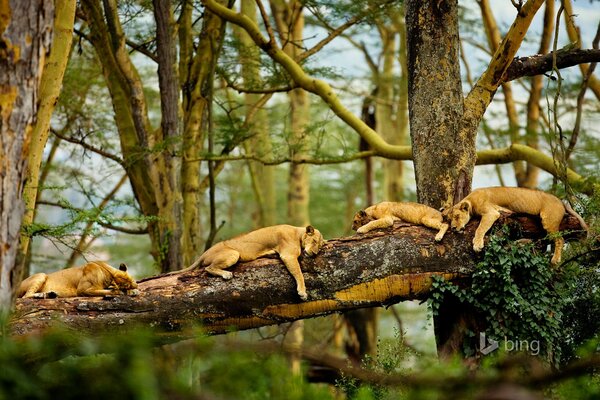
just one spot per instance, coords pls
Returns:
(51, 83)
(456, 172)
(162, 162)
(443, 124)
(25, 37)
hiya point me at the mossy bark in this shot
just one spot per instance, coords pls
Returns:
(25, 38)
(50, 86)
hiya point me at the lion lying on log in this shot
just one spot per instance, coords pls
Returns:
(383, 215)
(285, 240)
(95, 278)
(488, 202)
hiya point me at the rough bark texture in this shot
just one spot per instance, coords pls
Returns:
(435, 101)
(25, 37)
(379, 268)
(541, 63)
(50, 87)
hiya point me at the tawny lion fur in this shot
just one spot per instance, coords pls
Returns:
(95, 278)
(383, 215)
(488, 202)
(285, 240)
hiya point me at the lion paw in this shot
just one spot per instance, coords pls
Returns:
(132, 292)
(362, 229)
(303, 295)
(478, 246)
(227, 275)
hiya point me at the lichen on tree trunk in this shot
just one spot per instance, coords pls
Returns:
(435, 101)
(25, 37)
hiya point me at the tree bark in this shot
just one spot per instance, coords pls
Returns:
(262, 176)
(540, 63)
(50, 87)
(25, 37)
(435, 105)
(375, 269)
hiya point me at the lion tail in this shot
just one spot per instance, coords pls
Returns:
(195, 265)
(574, 213)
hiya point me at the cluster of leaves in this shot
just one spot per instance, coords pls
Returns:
(513, 292)
(580, 286)
(392, 357)
(61, 365)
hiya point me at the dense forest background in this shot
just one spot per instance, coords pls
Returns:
(174, 130)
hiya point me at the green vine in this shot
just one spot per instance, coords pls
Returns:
(513, 295)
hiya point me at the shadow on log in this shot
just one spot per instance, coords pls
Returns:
(375, 269)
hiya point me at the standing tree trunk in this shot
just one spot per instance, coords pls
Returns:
(443, 127)
(50, 86)
(530, 176)
(435, 104)
(262, 176)
(25, 37)
(391, 105)
(162, 163)
(289, 19)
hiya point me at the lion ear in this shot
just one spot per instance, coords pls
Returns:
(465, 206)
(123, 267)
(310, 230)
(362, 213)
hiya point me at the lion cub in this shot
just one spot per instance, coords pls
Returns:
(285, 240)
(488, 202)
(95, 278)
(383, 215)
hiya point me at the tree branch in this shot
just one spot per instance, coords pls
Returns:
(541, 63)
(379, 268)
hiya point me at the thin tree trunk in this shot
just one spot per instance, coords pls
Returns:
(50, 86)
(259, 144)
(530, 177)
(289, 19)
(384, 116)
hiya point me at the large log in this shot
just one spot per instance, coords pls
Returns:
(375, 269)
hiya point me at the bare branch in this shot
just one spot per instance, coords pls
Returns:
(131, 231)
(89, 147)
(541, 63)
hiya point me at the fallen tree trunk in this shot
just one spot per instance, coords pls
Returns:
(375, 269)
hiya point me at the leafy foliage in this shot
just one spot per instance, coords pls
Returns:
(513, 291)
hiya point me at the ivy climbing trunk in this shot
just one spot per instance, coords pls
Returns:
(25, 37)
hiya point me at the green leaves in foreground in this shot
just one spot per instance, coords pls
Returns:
(513, 293)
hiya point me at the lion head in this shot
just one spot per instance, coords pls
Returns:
(360, 218)
(459, 215)
(121, 280)
(312, 241)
